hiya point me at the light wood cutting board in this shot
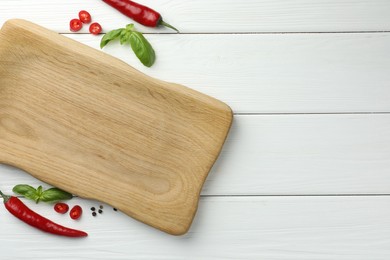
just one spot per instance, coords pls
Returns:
(88, 123)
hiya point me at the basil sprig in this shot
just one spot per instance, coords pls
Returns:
(38, 194)
(141, 47)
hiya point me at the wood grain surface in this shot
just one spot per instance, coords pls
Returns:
(88, 123)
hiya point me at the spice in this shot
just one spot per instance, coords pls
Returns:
(94, 214)
(139, 13)
(115, 209)
(17, 208)
(101, 206)
(93, 209)
(100, 211)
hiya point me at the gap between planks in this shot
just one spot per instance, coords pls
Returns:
(276, 195)
(299, 195)
(309, 113)
(244, 33)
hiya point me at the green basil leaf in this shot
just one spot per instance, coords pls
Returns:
(130, 27)
(142, 49)
(123, 32)
(23, 189)
(55, 194)
(35, 197)
(125, 37)
(27, 191)
(38, 194)
(111, 35)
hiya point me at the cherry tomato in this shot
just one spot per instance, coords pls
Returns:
(84, 16)
(95, 28)
(75, 25)
(61, 208)
(75, 212)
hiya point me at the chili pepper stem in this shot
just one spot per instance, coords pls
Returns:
(168, 25)
(5, 197)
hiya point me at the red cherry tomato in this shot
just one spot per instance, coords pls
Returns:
(61, 208)
(84, 16)
(75, 212)
(75, 25)
(95, 28)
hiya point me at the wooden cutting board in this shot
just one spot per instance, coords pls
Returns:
(88, 123)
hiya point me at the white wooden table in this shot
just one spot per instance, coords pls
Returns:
(305, 172)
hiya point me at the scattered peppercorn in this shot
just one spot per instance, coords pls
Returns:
(115, 209)
(101, 206)
(100, 211)
(94, 214)
(93, 209)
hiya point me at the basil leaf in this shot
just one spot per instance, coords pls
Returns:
(27, 191)
(38, 194)
(55, 194)
(142, 48)
(130, 27)
(123, 32)
(111, 35)
(35, 197)
(124, 37)
(23, 189)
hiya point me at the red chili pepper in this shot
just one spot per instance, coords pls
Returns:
(17, 208)
(139, 13)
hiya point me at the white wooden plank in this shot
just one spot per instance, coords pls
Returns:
(305, 154)
(274, 73)
(293, 154)
(278, 228)
(218, 15)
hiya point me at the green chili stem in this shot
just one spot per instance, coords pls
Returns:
(5, 197)
(168, 25)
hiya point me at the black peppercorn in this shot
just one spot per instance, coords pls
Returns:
(94, 214)
(93, 209)
(100, 211)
